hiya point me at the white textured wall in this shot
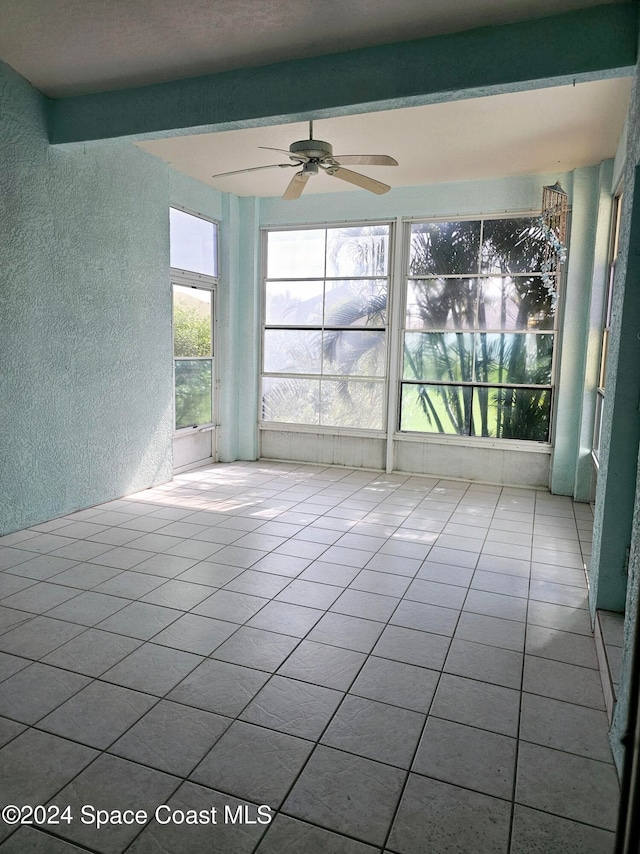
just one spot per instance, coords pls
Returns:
(504, 465)
(325, 448)
(85, 318)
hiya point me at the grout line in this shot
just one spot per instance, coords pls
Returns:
(421, 736)
(521, 694)
(189, 492)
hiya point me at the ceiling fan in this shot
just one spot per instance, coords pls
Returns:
(314, 154)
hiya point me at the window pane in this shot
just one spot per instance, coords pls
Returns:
(615, 241)
(296, 254)
(482, 303)
(192, 334)
(359, 303)
(521, 303)
(294, 303)
(433, 356)
(193, 393)
(435, 409)
(359, 251)
(597, 430)
(442, 303)
(338, 286)
(609, 306)
(603, 358)
(512, 246)
(354, 353)
(512, 413)
(291, 400)
(520, 358)
(192, 243)
(441, 248)
(292, 351)
(352, 404)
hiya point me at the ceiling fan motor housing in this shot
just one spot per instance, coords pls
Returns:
(315, 149)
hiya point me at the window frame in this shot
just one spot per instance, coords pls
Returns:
(382, 380)
(397, 275)
(607, 311)
(216, 246)
(198, 281)
(554, 330)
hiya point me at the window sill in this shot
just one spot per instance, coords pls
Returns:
(326, 431)
(477, 442)
(424, 438)
(191, 431)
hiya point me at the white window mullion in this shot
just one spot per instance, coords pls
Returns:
(395, 325)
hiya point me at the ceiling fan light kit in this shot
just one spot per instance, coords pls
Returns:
(315, 154)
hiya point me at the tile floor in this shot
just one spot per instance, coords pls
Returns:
(391, 663)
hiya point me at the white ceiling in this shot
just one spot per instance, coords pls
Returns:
(69, 47)
(540, 131)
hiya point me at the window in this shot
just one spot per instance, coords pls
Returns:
(193, 355)
(325, 327)
(193, 245)
(606, 323)
(479, 330)
(474, 320)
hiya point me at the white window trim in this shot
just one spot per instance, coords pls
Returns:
(464, 439)
(178, 270)
(321, 428)
(397, 276)
(605, 326)
(194, 280)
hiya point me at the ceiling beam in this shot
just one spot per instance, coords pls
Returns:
(588, 44)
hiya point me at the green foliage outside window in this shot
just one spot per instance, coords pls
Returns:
(192, 342)
(191, 331)
(481, 281)
(193, 392)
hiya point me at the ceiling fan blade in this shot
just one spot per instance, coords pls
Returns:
(296, 186)
(359, 180)
(254, 169)
(301, 157)
(366, 159)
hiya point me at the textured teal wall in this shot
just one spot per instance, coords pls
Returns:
(199, 199)
(248, 339)
(618, 482)
(238, 348)
(85, 317)
(225, 346)
(460, 198)
(616, 487)
(619, 726)
(590, 370)
(575, 327)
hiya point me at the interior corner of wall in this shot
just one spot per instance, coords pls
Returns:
(606, 171)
